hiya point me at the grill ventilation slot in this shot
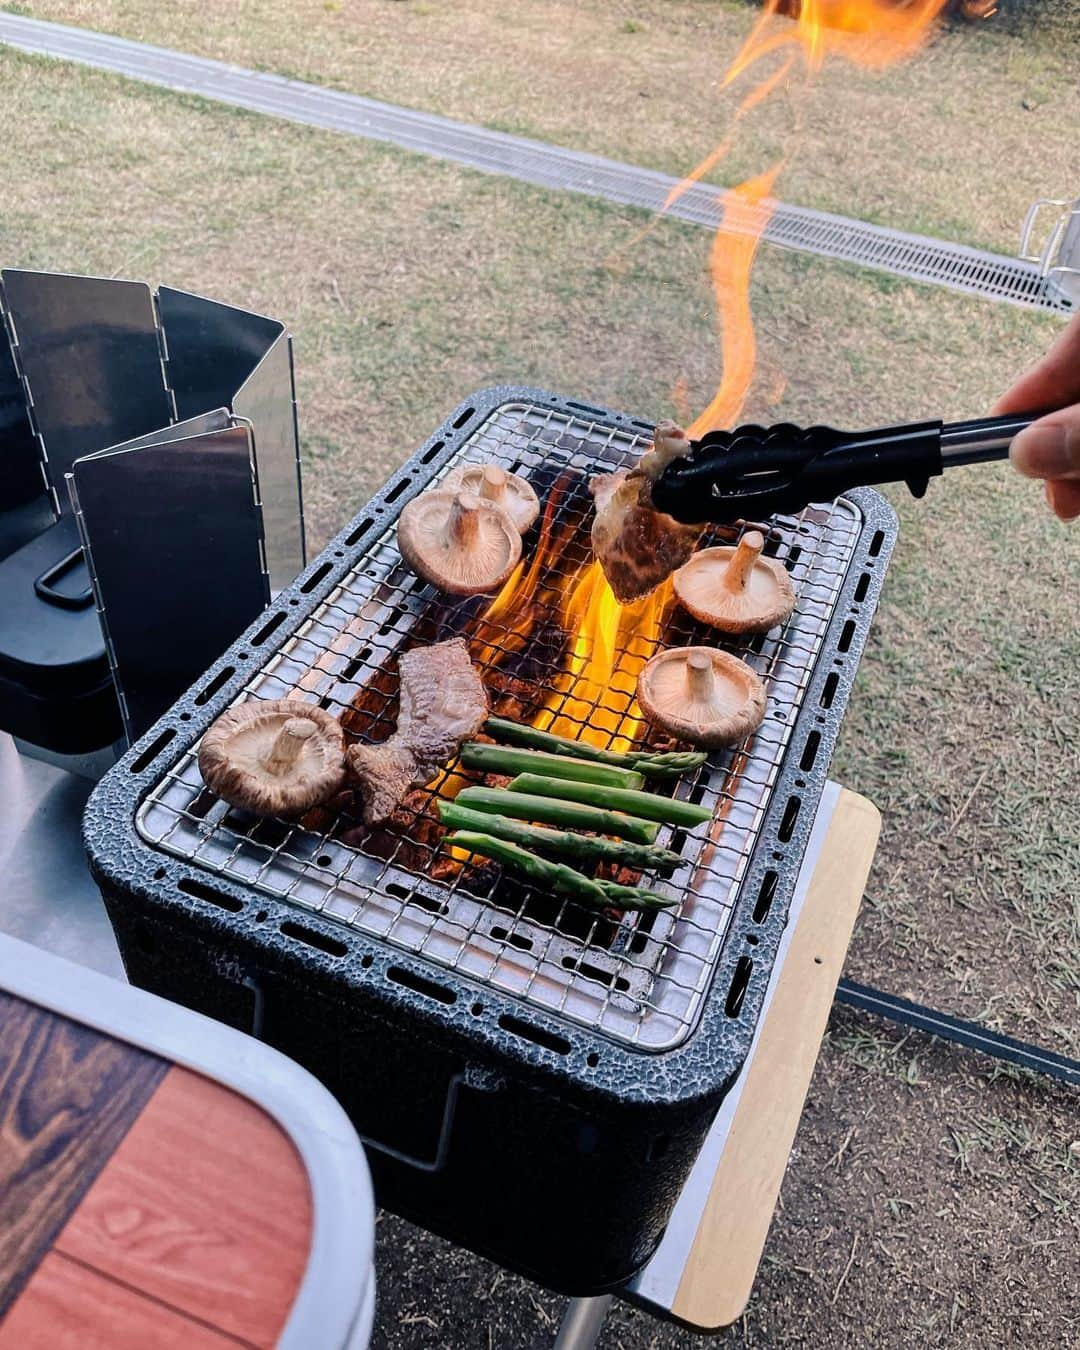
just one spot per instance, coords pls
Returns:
(152, 751)
(312, 938)
(201, 891)
(737, 988)
(538, 1035)
(419, 985)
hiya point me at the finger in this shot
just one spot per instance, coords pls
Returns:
(1064, 498)
(1052, 382)
(1050, 447)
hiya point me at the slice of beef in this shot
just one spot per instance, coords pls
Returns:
(442, 703)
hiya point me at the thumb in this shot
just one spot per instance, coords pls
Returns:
(1050, 447)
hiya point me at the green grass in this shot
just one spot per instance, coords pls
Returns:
(956, 142)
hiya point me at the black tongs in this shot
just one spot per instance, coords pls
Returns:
(755, 471)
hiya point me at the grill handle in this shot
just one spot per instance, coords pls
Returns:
(753, 471)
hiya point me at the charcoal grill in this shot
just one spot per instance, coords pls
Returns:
(533, 1079)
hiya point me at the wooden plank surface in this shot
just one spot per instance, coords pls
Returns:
(205, 1206)
(69, 1307)
(67, 1097)
(723, 1261)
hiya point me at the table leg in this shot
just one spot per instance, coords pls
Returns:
(582, 1322)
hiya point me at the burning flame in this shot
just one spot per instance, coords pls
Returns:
(609, 644)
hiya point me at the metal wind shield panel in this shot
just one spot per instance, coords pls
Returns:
(89, 365)
(88, 350)
(171, 528)
(221, 356)
(21, 476)
(266, 403)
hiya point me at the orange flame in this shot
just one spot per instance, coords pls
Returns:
(595, 698)
(595, 695)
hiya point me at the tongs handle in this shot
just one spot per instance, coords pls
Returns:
(985, 438)
(757, 471)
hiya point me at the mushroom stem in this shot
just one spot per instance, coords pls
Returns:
(742, 563)
(700, 677)
(493, 483)
(463, 522)
(288, 744)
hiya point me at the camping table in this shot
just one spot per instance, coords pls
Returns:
(166, 1181)
(704, 1269)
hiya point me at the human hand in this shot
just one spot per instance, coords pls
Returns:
(1050, 448)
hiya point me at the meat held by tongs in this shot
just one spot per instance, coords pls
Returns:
(443, 702)
(638, 546)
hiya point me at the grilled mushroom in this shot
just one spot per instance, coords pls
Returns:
(736, 589)
(458, 541)
(494, 484)
(704, 696)
(276, 758)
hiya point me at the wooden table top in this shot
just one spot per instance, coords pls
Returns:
(141, 1204)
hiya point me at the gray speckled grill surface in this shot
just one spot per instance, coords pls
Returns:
(570, 994)
(642, 983)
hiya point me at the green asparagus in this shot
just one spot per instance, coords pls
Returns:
(566, 814)
(635, 897)
(647, 805)
(558, 877)
(498, 759)
(561, 843)
(653, 764)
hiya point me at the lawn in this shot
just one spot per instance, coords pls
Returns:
(638, 80)
(408, 283)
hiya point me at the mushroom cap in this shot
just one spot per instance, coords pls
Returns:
(277, 757)
(711, 588)
(705, 696)
(495, 484)
(458, 541)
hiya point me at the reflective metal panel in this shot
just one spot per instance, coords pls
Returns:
(174, 539)
(266, 400)
(21, 477)
(212, 348)
(216, 420)
(89, 351)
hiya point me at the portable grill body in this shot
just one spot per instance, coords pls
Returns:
(531, 1080)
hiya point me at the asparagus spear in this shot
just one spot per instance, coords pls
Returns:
(643, 804)
(654, 764)
(635, 897)
(561, 843)
(498, 759)
(573, 815)
(558, 877)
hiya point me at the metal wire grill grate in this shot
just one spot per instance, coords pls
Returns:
(637, 978)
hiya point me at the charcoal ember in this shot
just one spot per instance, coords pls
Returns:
(408, 837)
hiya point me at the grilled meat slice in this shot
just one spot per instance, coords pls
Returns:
(638, 546)
(442, 703)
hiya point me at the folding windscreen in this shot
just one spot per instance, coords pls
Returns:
(166, 422)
